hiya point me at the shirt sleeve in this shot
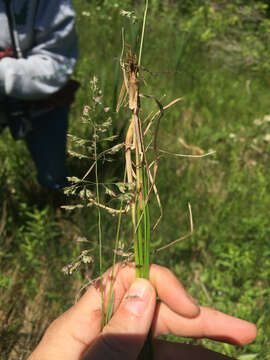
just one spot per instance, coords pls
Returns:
(47, 66)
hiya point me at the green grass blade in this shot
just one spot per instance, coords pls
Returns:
(139, 235)
(110, 308)
(99, 234)
(147, 230)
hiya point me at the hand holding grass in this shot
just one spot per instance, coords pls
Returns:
(77, 333)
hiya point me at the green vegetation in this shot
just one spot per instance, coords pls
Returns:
(216, 55)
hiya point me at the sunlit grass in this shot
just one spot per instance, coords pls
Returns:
(226, 262)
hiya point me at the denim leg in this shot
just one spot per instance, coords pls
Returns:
(47, 146)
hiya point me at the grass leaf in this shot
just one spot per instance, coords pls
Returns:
(110, 308)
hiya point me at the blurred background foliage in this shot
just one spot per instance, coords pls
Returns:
(216, 55)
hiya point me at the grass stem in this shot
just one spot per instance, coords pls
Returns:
(143, 32)
(99, 233)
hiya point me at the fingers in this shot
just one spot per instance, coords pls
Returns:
(73, 332)
(172, 293)
(178, 313)
(123, 337)
(176, 351)
(209, 323)
(169, 289)
(76, 331)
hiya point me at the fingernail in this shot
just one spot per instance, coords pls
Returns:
(137, 297)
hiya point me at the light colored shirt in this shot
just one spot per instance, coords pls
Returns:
(45, 33)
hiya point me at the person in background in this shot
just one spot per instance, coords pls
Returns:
(78, 334)
(38, 52)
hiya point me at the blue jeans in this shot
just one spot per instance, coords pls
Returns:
(47, 145)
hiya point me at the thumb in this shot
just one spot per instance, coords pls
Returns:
(123, 337)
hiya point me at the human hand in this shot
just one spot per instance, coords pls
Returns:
(77, 333)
